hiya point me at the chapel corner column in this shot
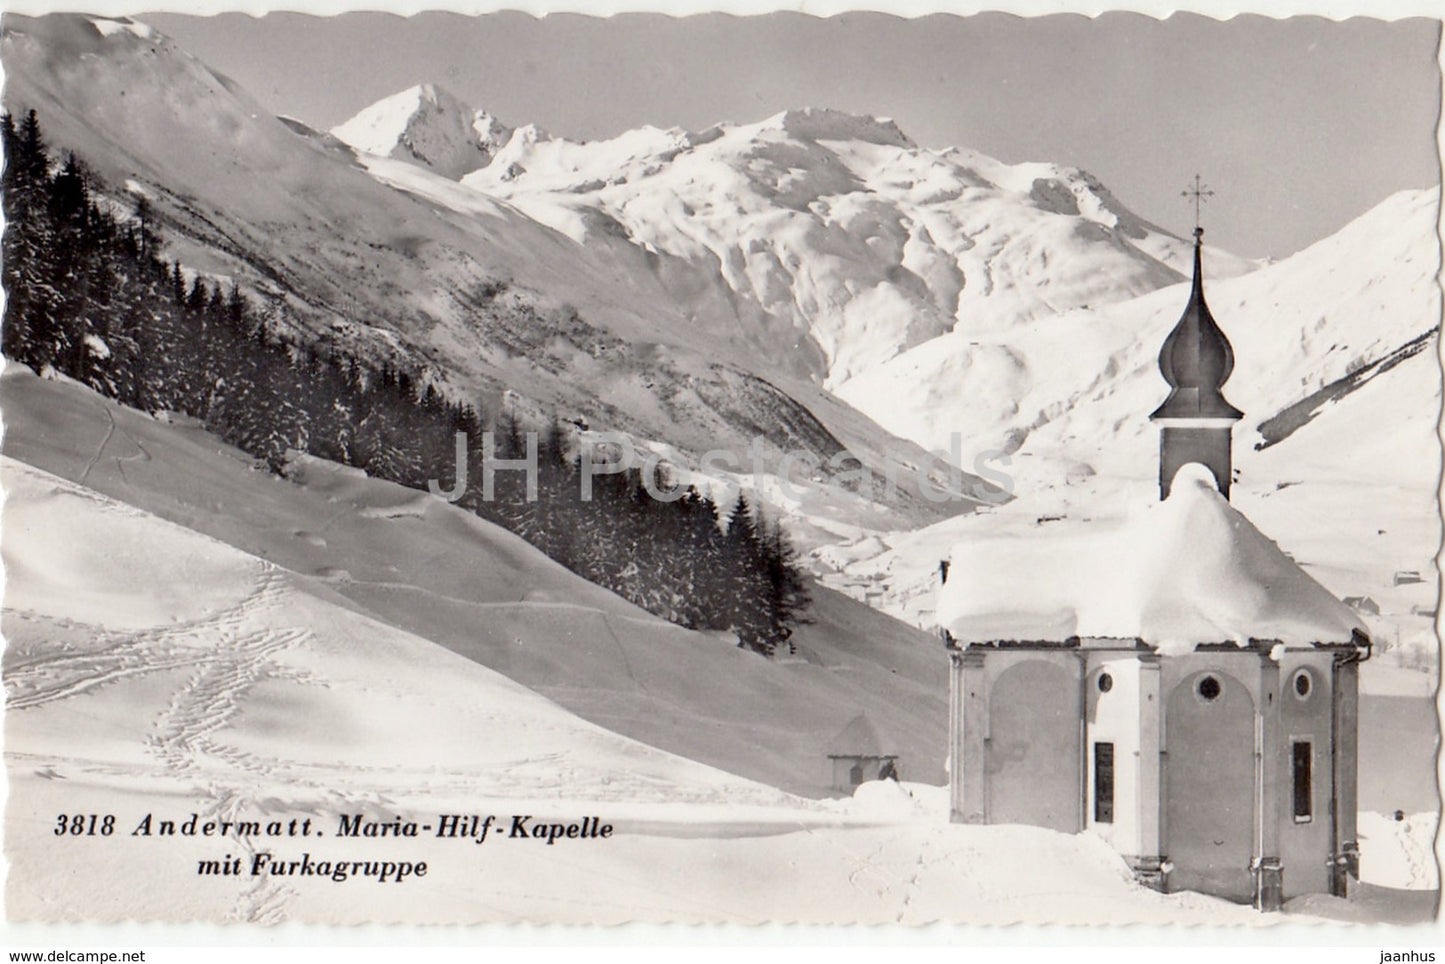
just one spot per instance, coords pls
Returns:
(1345, 694)
(1269, 789)
(968, 718)
(1149, 866)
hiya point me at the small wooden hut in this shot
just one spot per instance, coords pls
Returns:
(857, 755)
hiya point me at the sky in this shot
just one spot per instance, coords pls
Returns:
(1298, 125)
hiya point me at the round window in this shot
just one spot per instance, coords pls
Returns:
(1209, 688)
(1302, 684)
(1106, 682)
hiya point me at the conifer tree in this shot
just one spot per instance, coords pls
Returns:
(788, 598)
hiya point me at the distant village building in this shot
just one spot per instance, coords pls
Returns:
(1363, 604)
(857, 755)
(1177, 684)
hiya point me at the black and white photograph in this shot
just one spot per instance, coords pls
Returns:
(884, 467)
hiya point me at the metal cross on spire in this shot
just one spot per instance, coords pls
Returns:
(1200, 192)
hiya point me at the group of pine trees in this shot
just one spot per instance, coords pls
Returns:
(89, 295)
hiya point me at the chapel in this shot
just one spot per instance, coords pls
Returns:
(1176, 684)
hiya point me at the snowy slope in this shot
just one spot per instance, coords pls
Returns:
(149, 667)
(427, 125)
(1072, 383)
(429, 568)
(108, 607)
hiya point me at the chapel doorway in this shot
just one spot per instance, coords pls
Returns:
(1209, 795)
(1033, 759)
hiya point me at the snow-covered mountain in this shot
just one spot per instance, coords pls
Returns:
(1077, 385)
(807, 249)
(838, 240)
(822, 246)
(397, 262)
(427, 125)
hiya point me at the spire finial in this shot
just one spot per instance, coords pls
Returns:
(1200, 191)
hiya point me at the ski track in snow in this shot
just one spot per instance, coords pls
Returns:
(265, 900)
(217, 660)
(213, 694)
(237, 659)
(111, 429)
(230, 652)
(38, 681)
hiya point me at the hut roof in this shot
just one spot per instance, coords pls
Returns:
(859, 738)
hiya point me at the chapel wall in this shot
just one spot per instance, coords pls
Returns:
(1112, 748)
(1211, 825)
(1305, 771)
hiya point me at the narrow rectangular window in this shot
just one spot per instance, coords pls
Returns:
(1303, 768)
(1103, 783)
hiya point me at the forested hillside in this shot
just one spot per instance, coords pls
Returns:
(90, 295)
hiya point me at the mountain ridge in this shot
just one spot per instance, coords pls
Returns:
(675, 286)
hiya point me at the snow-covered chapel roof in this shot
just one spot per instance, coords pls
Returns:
(1191, 569)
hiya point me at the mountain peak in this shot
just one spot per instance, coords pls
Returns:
(827, 124)
(433, 94)
(110, 26)
(427, 125)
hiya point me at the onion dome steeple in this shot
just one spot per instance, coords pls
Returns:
(1196, 420)
(1196, 359)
